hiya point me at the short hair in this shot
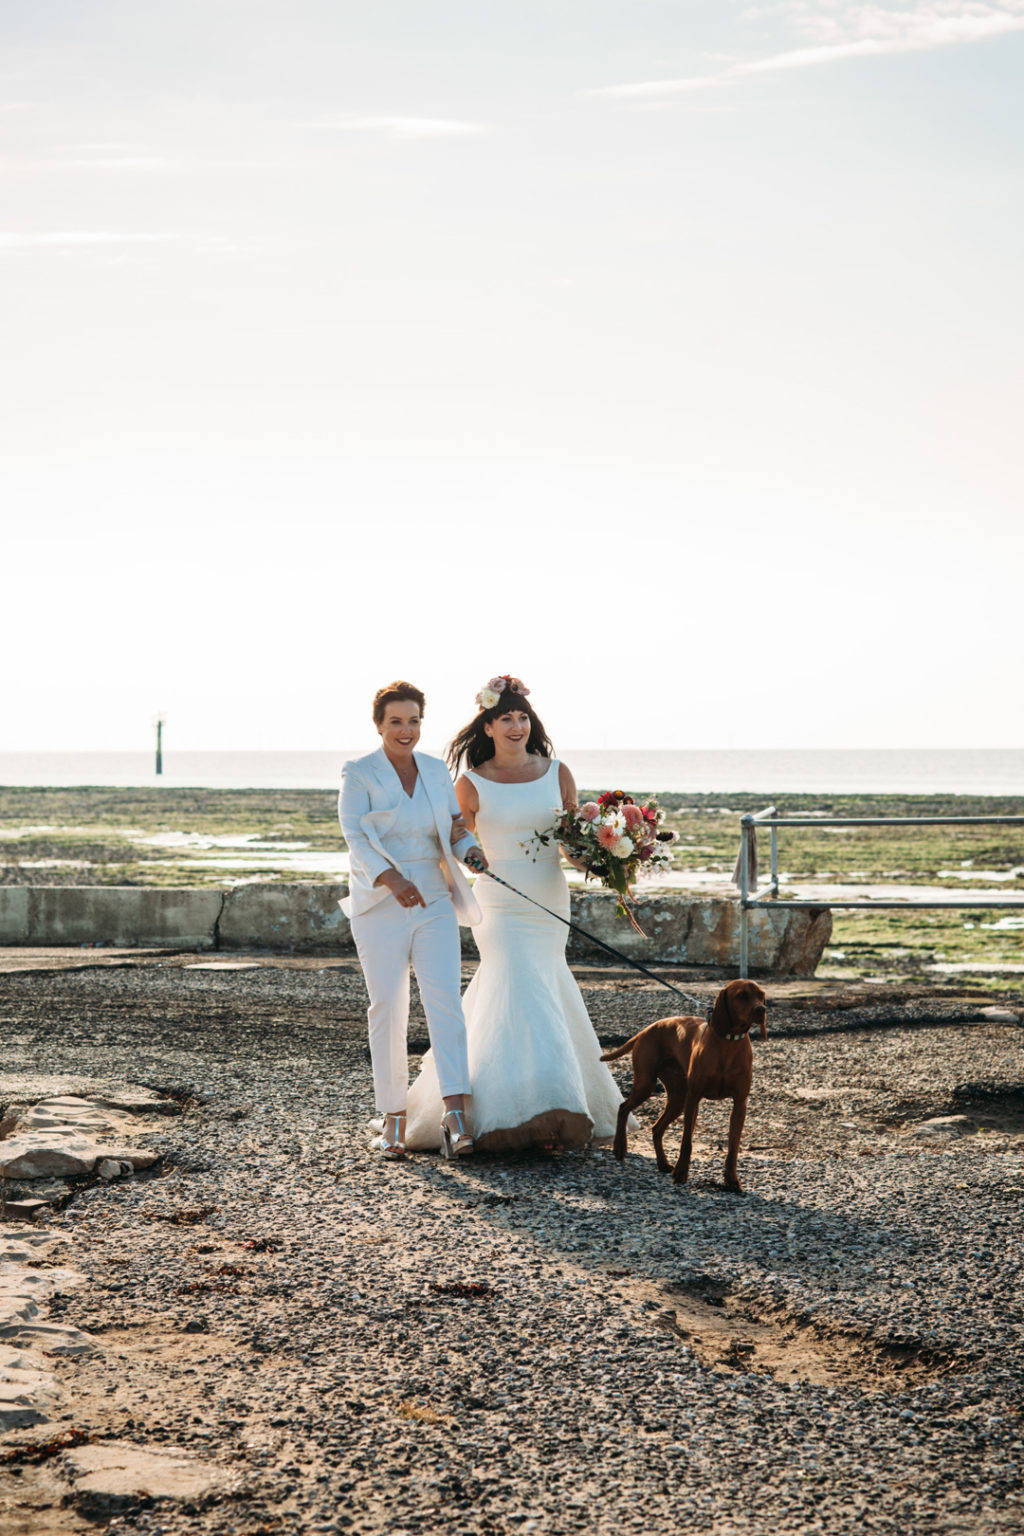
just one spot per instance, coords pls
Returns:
(394, 693)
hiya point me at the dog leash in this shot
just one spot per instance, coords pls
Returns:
(591, 936)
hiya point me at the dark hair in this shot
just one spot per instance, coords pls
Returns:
(395, 693)
(474, 744)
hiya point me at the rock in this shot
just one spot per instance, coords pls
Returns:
(27, 1392)
(23, 1088)
(692, 929)
(39, 1154)
(109, 1169)
(1000, 1015)
(64, 1111)
(62, 1151)
(943, 1125)
(116, 1475)
(50, 1337)
(22, 1210)
(23, 1247)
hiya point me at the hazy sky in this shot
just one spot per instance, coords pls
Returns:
(665, 352)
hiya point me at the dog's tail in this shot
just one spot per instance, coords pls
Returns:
(622, 1050)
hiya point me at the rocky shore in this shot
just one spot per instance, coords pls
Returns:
(269, 1331)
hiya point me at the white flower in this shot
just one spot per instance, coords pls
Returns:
(487, 698)
(623, 848)
(614, 819)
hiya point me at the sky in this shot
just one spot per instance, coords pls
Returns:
(666, 353)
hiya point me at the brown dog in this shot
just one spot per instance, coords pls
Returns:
(696, 1060)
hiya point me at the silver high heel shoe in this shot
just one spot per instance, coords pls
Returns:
(391, 1141)
(456, 1140)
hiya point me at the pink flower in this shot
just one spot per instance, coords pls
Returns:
(608, 837)
(590, 811)
(634, 815)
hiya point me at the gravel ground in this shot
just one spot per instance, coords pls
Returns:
(549, 1344)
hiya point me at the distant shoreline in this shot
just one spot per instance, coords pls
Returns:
(864, 771)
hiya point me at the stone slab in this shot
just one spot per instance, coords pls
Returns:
(28, 1393)
(116, 1475)
(50, 1338)
(62, 1151)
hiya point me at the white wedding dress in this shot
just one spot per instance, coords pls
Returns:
(534, 1059)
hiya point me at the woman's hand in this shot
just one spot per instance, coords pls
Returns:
(476, 860)
(403, 890)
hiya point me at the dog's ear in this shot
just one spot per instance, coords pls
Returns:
(721, 1014)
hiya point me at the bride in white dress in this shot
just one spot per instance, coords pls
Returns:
(534, 1059)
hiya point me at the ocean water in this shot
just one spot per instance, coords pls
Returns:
(982, 771)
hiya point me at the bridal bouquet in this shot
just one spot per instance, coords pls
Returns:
(615, 840)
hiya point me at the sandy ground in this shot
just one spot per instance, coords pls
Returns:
(555, 1343)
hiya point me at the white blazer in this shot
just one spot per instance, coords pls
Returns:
(370, 799)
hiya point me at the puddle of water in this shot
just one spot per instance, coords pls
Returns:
(979, 968)
(993, 875)
(222, 965)
(203, 840)
(330, 864)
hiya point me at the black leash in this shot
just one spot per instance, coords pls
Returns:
(591, 936)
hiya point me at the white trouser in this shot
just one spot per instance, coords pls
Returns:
(388, 938)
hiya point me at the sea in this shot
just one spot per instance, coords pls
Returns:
(965, 771)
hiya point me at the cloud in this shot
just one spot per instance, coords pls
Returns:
(836, 30)
(115, 244)
(408, 127)
(67, 238)
(122, 163)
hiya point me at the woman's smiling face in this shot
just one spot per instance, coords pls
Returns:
(511, 731)
(400, 728)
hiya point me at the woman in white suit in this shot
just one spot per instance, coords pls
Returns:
(407, 897)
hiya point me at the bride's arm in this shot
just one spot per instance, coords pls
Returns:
(469, 801)
(469, 804)
(570, 801)
(567, 785)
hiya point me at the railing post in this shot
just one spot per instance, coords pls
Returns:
(775, 860)
(746, 826)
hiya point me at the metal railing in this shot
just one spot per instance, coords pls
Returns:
(770, 818)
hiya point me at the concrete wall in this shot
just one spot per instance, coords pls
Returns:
(112, 914)
(304, 918)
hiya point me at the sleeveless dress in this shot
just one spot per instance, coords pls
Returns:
(534, 1059)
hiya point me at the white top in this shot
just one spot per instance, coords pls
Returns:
(415, 845)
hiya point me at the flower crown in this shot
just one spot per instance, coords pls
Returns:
(489, 696)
